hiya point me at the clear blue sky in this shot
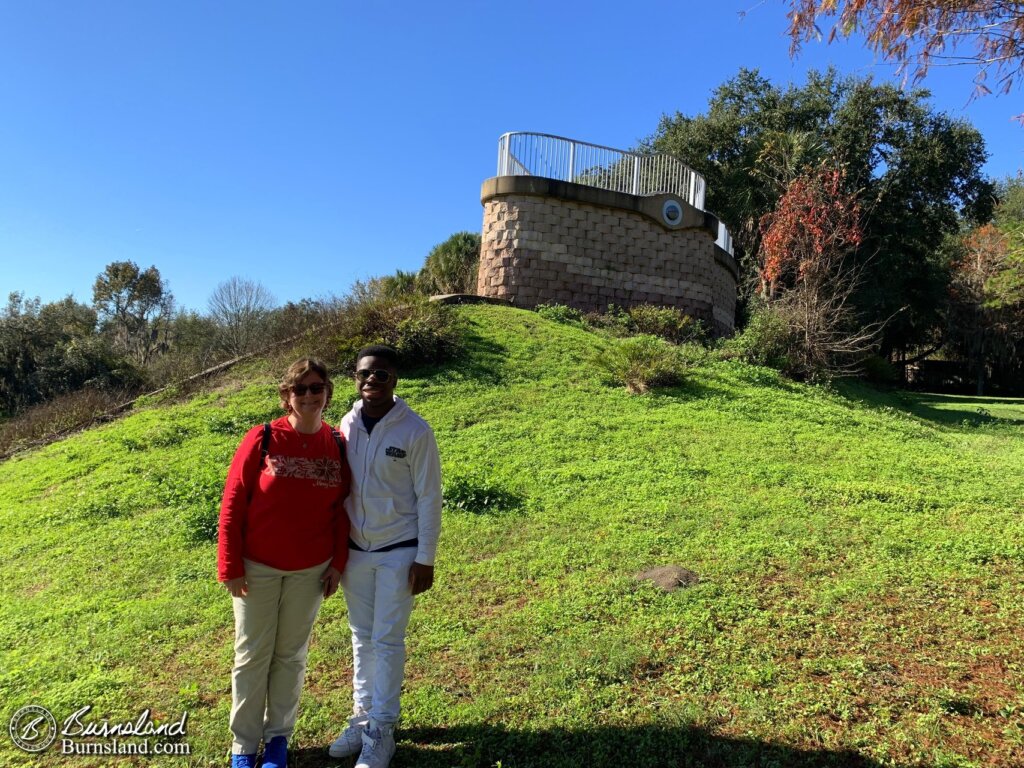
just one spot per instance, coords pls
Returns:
(307, 145)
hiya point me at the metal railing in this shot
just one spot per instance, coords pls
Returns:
(554, 157)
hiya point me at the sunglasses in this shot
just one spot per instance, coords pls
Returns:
(378, 373)
(314, 389)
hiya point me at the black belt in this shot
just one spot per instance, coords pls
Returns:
(388, 548)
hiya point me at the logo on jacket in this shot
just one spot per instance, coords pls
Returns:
(395, 453)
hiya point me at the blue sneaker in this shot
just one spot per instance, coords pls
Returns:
(243, 761)
(275, 754)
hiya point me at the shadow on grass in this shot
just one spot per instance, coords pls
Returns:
(959, 409)
(486, 746)
(945, 410)
(690, 388)
(471, 497)
(480, 360)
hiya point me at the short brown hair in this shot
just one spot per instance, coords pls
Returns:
(296, 372)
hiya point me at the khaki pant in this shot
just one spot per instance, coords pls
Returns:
(272, 627)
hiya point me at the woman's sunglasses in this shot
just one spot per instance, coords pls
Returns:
(315, 389)
(378, 373)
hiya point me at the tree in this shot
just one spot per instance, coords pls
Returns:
(918, 175)
(986, 294)
(451, 266)
(916, 34)
(49, 349)
(1009, 212)
(242, 309)
(1009, 218)
(987, 300)
(135, 307)
(192, 341)
(816, 221)
(806, 278)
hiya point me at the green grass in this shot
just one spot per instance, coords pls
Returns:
(861, 558)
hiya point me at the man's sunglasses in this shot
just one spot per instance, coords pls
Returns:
(378, 373)
(314, 389)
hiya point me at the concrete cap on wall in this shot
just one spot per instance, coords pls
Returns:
(651, 206)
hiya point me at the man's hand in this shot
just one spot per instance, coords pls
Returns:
(331, 579)
(421, 577)
(237, 587)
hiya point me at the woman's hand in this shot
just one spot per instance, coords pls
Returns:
(331, 579)
(237, 587)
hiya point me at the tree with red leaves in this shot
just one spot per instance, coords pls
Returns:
(916, 34)
(805, 278)
(816, 222)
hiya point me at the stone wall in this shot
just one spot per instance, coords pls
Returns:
(588, 248)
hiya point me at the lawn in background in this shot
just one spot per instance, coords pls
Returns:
(860, 554)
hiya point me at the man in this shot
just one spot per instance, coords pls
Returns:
(394, 507)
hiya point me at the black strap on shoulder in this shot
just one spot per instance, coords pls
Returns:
(264, 452)
(340, 442)
(265, 444)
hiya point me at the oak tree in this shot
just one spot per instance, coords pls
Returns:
(135, 306)
(918, 174)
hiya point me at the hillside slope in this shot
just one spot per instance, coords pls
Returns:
(861, 563)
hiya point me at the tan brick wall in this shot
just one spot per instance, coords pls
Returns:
(537, 250)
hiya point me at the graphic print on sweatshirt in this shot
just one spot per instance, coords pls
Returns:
(325, 473)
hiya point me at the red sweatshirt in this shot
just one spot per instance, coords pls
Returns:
(287, 513)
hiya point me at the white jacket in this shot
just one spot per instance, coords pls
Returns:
(396, 481)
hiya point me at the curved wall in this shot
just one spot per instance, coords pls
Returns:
(550, 241)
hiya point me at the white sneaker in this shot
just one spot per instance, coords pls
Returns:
(350, 742)
(378, 745)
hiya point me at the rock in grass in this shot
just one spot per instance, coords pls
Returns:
(669, 577)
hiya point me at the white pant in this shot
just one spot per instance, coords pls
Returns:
(379, 601)
(272, 627)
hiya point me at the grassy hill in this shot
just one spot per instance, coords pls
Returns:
(861, 563)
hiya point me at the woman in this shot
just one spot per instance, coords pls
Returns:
(283, 545)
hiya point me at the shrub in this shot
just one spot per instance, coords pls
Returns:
(796, 336)
(451, 266)
(477, 494)
(560, 313)
(642, 362)
(308, 315)
(879, 370)
(670, 323)
(421, 331)
(396, 286)
(615, 321)
(57, 416)
(767, 340)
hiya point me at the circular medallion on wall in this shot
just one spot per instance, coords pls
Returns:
(672, 212)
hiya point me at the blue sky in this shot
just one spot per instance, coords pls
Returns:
(307, 145)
